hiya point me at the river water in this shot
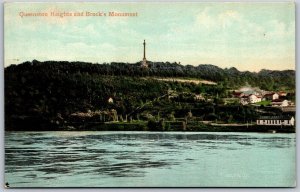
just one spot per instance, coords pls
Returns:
(149, 159)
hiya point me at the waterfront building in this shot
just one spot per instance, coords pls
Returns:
(280, 103)
(271, 96)
(276, 120)
(254, 98)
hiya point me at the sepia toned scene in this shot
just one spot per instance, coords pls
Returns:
(149, 95)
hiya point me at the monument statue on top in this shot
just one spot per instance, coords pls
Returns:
(144, 62)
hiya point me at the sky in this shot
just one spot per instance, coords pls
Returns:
(248, 36)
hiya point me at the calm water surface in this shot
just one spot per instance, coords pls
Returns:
(148, 159)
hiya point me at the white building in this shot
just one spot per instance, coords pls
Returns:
(271, 96)
(280, 103)
(276, 120)
(244, 100)
(254, 99)
(110, 100)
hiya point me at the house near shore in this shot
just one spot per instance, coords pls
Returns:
(254, 98)
(280, 103)
(276, 120)
(271, 96)
(244, 100)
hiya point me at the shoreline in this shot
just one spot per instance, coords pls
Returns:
(165, 128)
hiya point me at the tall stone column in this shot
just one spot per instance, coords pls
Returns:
(144, 62)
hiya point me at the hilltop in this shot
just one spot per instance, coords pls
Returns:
(231, 77)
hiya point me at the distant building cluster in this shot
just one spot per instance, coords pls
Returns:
(276, 99)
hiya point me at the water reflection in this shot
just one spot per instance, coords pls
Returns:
(33, 157)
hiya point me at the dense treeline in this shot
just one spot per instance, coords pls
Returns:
(265, 79)
(47, 93)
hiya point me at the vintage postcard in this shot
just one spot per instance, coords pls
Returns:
(149, 94)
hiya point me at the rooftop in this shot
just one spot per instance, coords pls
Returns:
(274, 118)
(270, 94)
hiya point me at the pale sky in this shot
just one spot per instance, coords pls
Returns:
(248, 36)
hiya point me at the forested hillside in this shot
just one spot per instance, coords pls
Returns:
(51, 91)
